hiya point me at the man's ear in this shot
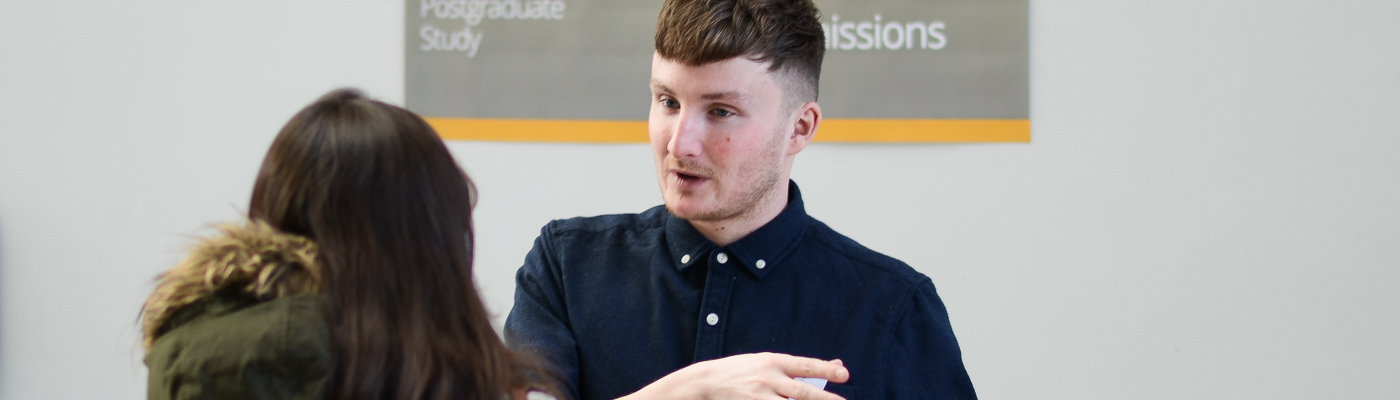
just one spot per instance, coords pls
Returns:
(809, 116)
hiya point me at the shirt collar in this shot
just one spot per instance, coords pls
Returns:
(759, 252)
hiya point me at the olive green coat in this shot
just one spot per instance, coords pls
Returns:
(239, 319)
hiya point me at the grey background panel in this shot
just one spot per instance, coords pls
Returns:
(981, 73)
(594, 63)
(591, 65)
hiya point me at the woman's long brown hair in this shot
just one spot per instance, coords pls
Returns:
(378, 191)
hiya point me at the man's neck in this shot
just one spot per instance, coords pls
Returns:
(730, 230)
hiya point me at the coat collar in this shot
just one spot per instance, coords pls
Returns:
(252, 260)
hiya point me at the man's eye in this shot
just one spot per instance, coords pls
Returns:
(720, 112)
(670, 103)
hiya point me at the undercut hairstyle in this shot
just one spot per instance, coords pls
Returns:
(786, 34)
(375, 187)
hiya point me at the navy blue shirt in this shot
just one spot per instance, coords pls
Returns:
(615, 302)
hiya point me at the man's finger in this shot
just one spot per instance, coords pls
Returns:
(813, 368)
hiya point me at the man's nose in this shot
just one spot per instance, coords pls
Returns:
(686, 135)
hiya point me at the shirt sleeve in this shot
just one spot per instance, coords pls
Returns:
(924, 361)
(538, 323)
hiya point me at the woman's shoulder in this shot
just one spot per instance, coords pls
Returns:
(235, 321)
(279, 348)
(238, 318)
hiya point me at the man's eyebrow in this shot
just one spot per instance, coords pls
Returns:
(735, 96)
(661, 88)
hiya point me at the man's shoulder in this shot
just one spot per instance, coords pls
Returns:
(858, 254)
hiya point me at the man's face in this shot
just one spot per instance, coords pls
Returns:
(720, 132)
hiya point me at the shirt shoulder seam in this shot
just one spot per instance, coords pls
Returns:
(870, 259)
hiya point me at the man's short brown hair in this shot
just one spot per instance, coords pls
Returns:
(787, 34)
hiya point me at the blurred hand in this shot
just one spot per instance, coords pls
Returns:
(767, 376)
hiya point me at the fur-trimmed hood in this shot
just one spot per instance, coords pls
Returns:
(251, 258)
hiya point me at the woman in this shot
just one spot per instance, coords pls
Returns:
(351, 280)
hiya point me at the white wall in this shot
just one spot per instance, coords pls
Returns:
(1210, 207)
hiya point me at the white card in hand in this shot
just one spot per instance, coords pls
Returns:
(818, 382)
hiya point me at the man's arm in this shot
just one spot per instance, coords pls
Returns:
(747, 376)
(924, 360)
(538, 322)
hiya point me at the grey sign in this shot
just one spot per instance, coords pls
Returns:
(591, 59)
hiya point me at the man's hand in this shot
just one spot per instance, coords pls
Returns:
(767, 376)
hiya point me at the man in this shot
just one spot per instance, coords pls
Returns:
(731, 290)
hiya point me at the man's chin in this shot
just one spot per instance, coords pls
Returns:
(683, 207)
(694, 212)
(680, 210)
(678, 215)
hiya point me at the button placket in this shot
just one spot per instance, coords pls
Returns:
(719, 282)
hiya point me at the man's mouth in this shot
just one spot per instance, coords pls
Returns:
(688, 178)
(688, 174)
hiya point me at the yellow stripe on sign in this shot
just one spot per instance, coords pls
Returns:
(532, 130)
(925, 130)
(832, 130)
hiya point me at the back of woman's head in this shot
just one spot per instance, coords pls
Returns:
(377, 190)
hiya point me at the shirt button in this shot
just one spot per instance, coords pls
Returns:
(685, 259)
(723, 258)
(712, 319)
(760, 264)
